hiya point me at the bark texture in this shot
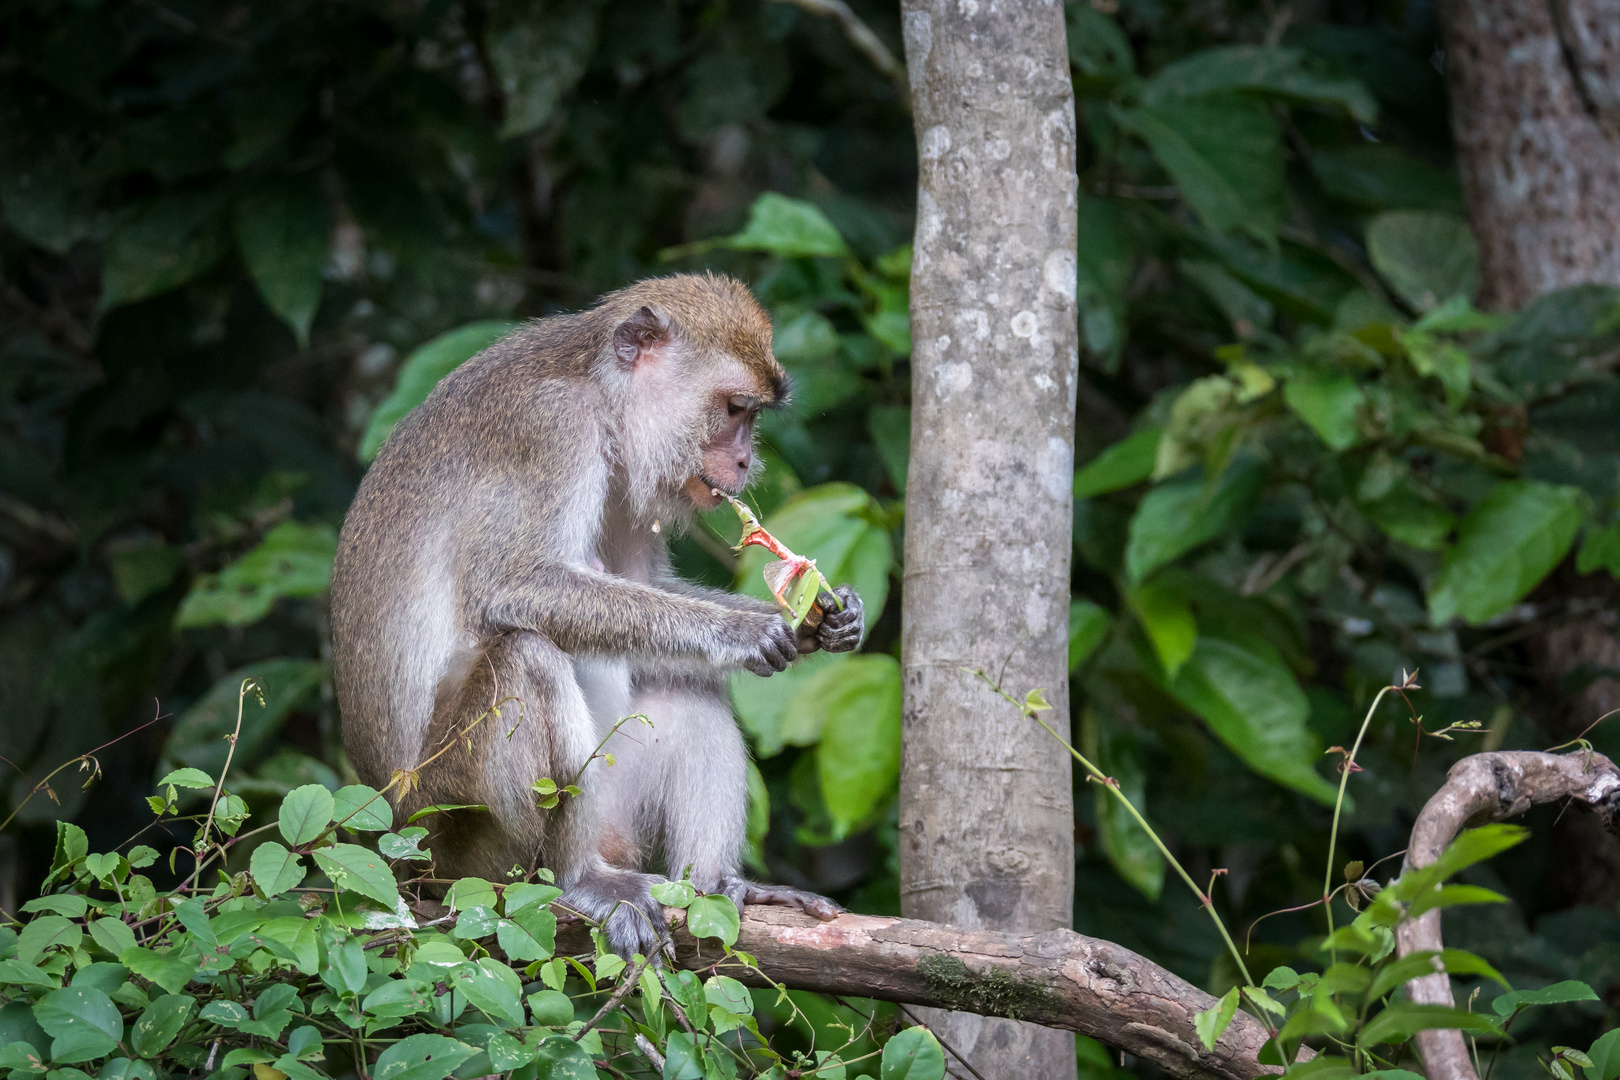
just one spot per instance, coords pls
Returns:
(986, 815)
(1481, 788)
(1058, 978)
(1535, 98)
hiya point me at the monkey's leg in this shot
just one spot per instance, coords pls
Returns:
(518, 715)
(692, 770)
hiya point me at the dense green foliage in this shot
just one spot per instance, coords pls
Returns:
(259, 972)
(240, 241)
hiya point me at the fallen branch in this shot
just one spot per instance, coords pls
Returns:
(1058, 978)
(1481, 788)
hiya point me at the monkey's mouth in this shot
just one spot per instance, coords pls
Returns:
(710, 484)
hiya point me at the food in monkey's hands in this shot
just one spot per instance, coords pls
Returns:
(794, 580)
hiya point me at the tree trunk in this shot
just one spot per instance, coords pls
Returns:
(986, 811)
(1535, 98)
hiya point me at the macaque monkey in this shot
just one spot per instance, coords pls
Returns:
(503, 584)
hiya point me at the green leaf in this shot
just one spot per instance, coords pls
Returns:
(353, 867)
(1253, 704)
(1166, 614)
(1605, 1055)
(1213, 1021)
(293, 559)
(539, 51)
(1426, 256)
(791, 227)
(470, 892)
(422, 1057)
(1453, 896)
(82, 1020)
(275, 869)
(1381, 176)
(1558, 993)
(1329, 403)
(1600, 551)
(284, 231)
(528, 935)
(1176, 517)
(1224, 152)
(162, 245)
(421, 372)
(158, 1025)
(474, 922)
(524, 894)
(1098, 50)
(913, 1054)
(1281, 72)
(713, 917)
(487, 991)
(187, 778)
(858, 759)
(679, 894)
(305, 813)
(1399, 1022)
(1088, 625)
(561, 1058)
(22, 1058)
(552, 1008)
(362, 809)
(47, 932)
(1508, 542)
(1122, 465)
(1409, 517)
(112, 934)
(168, 970)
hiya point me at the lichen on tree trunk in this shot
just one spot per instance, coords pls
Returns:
(986, 814)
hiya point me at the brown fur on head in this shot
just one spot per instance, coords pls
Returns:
(689, 367)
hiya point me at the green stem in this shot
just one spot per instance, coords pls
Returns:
(1338, 808)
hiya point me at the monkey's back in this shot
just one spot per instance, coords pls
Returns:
(469, 486)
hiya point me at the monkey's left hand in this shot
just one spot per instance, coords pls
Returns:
(840, 629)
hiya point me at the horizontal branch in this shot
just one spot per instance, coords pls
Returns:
(1058, 978)
(1481, 788)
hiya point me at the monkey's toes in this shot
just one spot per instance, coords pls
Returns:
(808, 902)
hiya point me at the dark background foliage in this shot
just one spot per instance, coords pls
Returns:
(226, 225)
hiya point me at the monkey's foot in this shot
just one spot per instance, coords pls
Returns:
(621, 902)
(742, 891)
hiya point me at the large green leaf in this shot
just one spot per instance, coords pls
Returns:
(421, 372)
(1427, 256)
(1384, 177)
(1329, 403)
(275, 869)
(305, 813)
(422, 1057)
(539, 51)
(713, 917)
(284, 231)
(362, 809)
(1224, 152)
(163, 245)
(787, 226)
(1121, 465)
(83, 1022)
(1281, 72)
(198, 738)
(160, 1023)
(365, 872)
(1252, 702)
(859, 753)
(1130, 850)
(170, 970)
(1176, 517)
(1505, 546)
(913, 1054)
(1088, 625)
(294, 559)
(1165, 612)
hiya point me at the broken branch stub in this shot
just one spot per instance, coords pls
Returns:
(1481, 788)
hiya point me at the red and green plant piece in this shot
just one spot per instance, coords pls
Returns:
(793, 579)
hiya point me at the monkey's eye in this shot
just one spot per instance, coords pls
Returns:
(739, 404)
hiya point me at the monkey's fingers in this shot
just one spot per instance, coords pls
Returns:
(808, 902)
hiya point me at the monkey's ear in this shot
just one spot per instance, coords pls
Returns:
(638, 335)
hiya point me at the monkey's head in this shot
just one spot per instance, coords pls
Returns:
(692, 369)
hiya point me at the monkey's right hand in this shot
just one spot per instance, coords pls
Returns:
(621, 902)
(770, 646)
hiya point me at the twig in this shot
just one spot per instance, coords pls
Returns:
(865, 41)
(627, 983)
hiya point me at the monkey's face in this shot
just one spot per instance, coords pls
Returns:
(728, 451)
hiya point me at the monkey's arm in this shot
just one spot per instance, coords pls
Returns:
(584, 611)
